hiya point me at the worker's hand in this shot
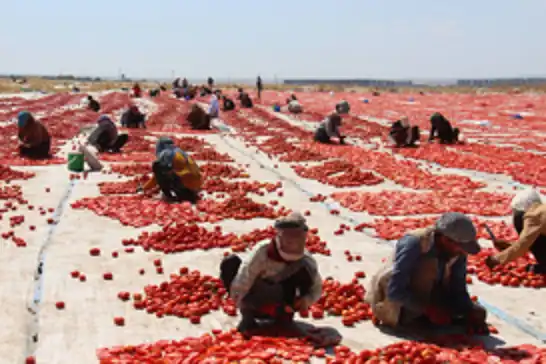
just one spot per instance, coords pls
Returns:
(491, 261)
(501, 244)
(139, 189)
(300, 304)
(438, 315)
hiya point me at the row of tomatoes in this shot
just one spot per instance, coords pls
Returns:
(230, 346)
(338, 174)
(395, 203)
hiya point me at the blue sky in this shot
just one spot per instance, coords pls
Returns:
(298, 38)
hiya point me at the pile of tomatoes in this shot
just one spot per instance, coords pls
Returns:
(188, 294)
(9, 174)
(337, 173)
(513, 274)
(209, 154)
(212, 185)
(222, 170)
(238, 207)
(125, 187)
(397, 203)
(132, 169)
(11, 192)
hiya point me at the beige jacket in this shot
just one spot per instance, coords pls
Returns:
(534, 225)
(423, 280)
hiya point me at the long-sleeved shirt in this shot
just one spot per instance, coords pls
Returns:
(33, 134)
(214, 107)
(185, 168)
(534, 225)
(259, 265)
(407, 255)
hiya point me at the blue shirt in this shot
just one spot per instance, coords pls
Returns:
(214, 107)
(407, 255)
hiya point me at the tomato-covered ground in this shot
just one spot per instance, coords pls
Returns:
(91, 272)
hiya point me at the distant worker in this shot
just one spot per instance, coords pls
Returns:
(137, 91)
(133, 118)
(105, 136)
(245, 99)
(175, 173)
(154, 92)
(329, 128)
(198, 118)
(214, 106)
(529, 219)
(441, 128)
(294, 106)
(93, 104)
(34, 139)
(185, 83)
(402, 134)
(210, 82)
(176, 83)
(259, 87)
(228, 103)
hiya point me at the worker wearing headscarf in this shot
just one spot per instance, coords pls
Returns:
(105, 136)
(402, 134)
(441, 128)
(529, 217)
(294, 105)
(175, 172)
(278, 278)
(198, 118)
(34, 139)
(133, 118)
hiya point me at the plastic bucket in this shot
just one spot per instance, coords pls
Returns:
(75, 162)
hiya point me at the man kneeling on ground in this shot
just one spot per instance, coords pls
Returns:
(402, 134)
(425, 280)
(175, 173)
(34, 139)
(277, 279)
(228, 103)
(105, 136)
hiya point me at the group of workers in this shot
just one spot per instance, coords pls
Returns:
(422, 283)
(421, 286)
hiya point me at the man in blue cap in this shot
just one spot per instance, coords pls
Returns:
(425, 280)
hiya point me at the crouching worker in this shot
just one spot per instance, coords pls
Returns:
(34, 139)
(133, 118)
(175, 173)
(442, 127)
(404, 135)
(294, 106)
(198, 118)
(228, 103)
(105, 136)
(277, 279)
(93, 104)
(245, 99)
(329, 129)
(425, 280)
(529, 216)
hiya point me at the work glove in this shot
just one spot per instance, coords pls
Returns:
(438, 316)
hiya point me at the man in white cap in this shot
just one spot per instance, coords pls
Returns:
(278, 277)
(425, 280)
(529, 216)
